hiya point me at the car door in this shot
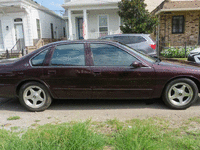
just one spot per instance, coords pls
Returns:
(115, 78)
(67, 72)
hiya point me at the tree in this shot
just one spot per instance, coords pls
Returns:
(135, 18)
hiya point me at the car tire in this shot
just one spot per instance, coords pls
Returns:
(180, 93)
(34, 96)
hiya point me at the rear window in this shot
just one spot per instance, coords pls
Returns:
(129, 39)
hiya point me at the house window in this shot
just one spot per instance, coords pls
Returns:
(177, 24)
(38, 28)
(18, 20)
(103, 25)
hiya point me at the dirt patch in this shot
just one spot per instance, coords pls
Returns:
(98, 110)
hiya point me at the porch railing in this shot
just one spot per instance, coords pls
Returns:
(96, 35)
(16, 50)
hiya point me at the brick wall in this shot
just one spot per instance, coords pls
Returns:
(191, 29)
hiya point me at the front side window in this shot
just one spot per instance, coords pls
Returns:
(109, 55)
(68, 55)
(39, 59)
(177, 24)
(103, 25)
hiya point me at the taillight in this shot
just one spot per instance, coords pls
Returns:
(153, 46)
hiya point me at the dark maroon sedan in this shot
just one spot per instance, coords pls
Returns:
(96, 70)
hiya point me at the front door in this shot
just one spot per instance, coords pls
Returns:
(115, 78)
(80, 28)
(19, 36)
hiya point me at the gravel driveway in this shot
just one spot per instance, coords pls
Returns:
(97, 110)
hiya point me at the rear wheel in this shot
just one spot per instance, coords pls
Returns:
(34, 96)
(180, 93)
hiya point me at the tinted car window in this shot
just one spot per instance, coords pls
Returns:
(39, 59)
(108, 55)
(129, 39)
(122, 39)
(68, 55)
(136, 39)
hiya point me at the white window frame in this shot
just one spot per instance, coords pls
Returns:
(103, 26)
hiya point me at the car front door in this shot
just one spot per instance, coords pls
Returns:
(115, 78)
(67, 73)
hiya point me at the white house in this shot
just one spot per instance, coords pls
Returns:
(26, 21)
(90, 19)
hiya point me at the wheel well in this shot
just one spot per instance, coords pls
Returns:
(24, 82)
(193, 79)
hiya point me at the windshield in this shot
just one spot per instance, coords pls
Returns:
(142, 55)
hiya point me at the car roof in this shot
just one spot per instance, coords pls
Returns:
(82, 41)
(135, 34)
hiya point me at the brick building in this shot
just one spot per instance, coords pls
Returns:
(179, 23)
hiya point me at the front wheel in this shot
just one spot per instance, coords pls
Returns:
(34, 96)
(180, 93)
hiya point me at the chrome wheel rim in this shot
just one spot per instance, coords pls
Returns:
(34, 96)
(180, 94)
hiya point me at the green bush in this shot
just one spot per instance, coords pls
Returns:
(176, 52)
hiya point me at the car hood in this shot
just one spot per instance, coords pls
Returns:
(179, 64)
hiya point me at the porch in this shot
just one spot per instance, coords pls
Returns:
(92, 22)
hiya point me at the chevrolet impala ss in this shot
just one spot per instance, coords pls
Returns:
(91, 69)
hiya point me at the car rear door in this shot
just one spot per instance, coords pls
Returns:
(115, 78)
(67, 72)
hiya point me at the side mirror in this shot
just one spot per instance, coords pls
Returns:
(136, 64)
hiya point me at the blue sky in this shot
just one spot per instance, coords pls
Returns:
(51, 4)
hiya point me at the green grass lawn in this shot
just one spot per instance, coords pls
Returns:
(147, 134)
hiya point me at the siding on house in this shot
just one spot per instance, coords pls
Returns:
(29, 12)
(113, 22)
(45, 21)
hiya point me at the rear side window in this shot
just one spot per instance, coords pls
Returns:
(69, 55)
(137, 39)
(129, 39)
(39, 59)
(122, 39)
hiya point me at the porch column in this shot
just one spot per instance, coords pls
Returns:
(70, 25)
(85, 21)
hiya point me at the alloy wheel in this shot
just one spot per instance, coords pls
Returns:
(34, 96)
(180, 94)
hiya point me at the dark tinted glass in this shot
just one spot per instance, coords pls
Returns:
(129, 39)
(69, 55)
(108, 55)
(136, 39)
(39, 59)
(122, 39)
